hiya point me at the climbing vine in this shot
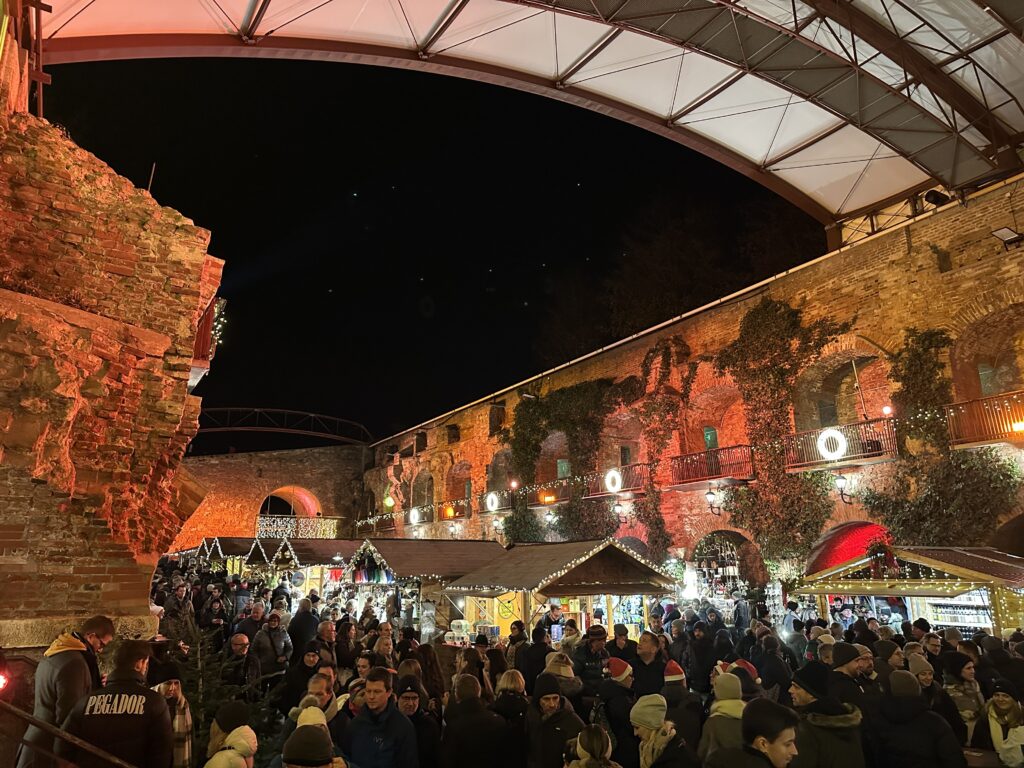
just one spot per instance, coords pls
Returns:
(936, 496)
(785, 513)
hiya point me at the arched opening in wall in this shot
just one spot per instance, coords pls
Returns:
(846, 387)
(291, 501)
(1010, 537)
(499, 471)
(727, 560)
(714, 419)
(843, 543)
(988, 356)
(458, 488)
(620, 441)
(554, 463)
(423, 489)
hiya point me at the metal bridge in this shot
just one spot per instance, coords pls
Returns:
(285, 422)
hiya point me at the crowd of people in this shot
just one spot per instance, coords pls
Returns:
(349, 689)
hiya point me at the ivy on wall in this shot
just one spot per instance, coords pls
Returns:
(936, 496)
(784, 513)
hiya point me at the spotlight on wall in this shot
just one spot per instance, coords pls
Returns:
(887, 410)
(1008, 237)
(936, 198)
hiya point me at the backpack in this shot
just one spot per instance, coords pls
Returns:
(599, 716)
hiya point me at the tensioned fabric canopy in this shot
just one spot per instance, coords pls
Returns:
(841, 106)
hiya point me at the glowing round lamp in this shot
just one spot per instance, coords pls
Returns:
(491, 502)
(613, 481)
(832, 444)
(711, 497)
(389, 502)
(414, 515)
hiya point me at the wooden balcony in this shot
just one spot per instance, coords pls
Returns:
(849, 445)
(734, 462)
(550, 494)
(494, 501)
(631, 478)
(987, 420)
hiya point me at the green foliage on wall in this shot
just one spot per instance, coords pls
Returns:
(922, 388)
(946, 499)
(521, 524)
(784, 513)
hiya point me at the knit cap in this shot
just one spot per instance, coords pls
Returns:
(620, 630)
(843, 654)
(311, 716)
(954, 663)
(649, 711)
(231, 715)
(1002, 685)
(904, 684)
(559, 664)
(618, 669)
(546, 685)
(863, 650)
(597, 632)
(826, 640)
(918, 664)
(885, 648)
(922, 624)
(673, 672)
(952, 635)
(989, 643)
(813, 678)
(308, 745)
(817, 632)
(727, 686)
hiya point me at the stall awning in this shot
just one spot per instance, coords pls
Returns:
(232, 546)
(570, 568)
(919, 571)
(303, 553)
(439, 560)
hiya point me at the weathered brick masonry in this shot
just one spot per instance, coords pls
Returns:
(101, 291)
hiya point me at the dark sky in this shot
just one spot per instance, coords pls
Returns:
(396, 242)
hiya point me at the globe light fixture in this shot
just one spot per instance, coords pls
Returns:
(842, 483)
(414, 515)
(712, 497)
(491, 502)
(832, 444)
(613, 481)
(389, 502)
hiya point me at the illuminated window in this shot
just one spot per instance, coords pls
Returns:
(710, 438)
(564, 469)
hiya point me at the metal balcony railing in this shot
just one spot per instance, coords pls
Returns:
(549, 494)
(630, 478)
(423, 513)
(873, 440)
(282, 527)
(734, 461)
(494, 501)
(990, 419)
(454, 509)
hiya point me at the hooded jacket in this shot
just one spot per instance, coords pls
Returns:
(590, 667)
(67, 672)
(685, 710)
(333, 714)
(238, 745)
(617, 702)
(828, 736)
(546, 734)
(387, 740)
(125, 718)
(909, 735)
(476, 731)
(723, 728)
(940, 703)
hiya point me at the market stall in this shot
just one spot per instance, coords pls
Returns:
(581, 575)
(970, 588)
(230, 553)
(315, 563)
(406, 577)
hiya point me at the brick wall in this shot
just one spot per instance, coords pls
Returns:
(885, 284)
(101, 290)
(237, 484)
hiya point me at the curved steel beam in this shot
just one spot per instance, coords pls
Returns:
(735, 35)
(122, 47)
(283, 422)
(1009, 13)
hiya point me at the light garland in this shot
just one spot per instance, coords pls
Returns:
(281, 527)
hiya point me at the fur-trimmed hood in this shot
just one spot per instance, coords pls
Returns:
(850, 717)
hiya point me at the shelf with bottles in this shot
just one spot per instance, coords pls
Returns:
(970, 625)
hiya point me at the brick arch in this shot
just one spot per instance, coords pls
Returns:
(1009, 536)
(720, 406)
(302, 501)
(989, 329)
(751, 561)
(827, 374)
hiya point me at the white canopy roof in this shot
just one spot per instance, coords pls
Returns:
(841, 106)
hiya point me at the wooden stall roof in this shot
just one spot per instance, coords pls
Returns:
(262, 552)
(570, 568)
(433, 559)
(233, 546)
(963, 569)
(303, 553)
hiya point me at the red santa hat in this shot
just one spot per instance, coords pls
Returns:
(674, 673)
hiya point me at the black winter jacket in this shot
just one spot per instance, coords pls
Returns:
(829, 736)
(701, 660)
(301, 629)
(686, 711)
(648, 678)
(476, 732)
(627, 652)
(940, 702)
(546, 735)
(512, 707)
(909, 735)
(618, 701)
(428, 738)
(531, 662)
(590, 667)
(124, 718)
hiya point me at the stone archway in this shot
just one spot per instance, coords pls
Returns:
(848, 383)
(987, 357)
(291, 500)
(748, 560)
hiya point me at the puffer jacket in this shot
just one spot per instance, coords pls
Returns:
(829, 736)
(909, 735)
(268, 645)
(546, 735)
(238, 745)
(723, 728)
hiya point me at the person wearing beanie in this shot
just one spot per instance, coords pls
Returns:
(919, 628)
(685, 708)
(769, 738)
(590, 659)
(829, 733)
(845, 682)
(660, 745)
(611, 712)
(412, 701)
(477, 729)
(909, 733)
(984, 670)
(166, 681)
(723, 729)
(530, 661)
(701, 660)
(888, 657)
(621, 646)
(232, 742)
(677, 649)
(559, 665)
(1007, 666)
(309, 746)
(319, 694)
(550, 722)
(937, 698)
(648, 666)
(964, 690)
(1006, 723)
(776, 675)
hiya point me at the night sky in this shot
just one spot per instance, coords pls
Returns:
(399, 243)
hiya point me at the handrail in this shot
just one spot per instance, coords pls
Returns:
(61, 734)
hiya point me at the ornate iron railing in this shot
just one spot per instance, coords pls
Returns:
(734, 461)
(629, 478)
(846, 444)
